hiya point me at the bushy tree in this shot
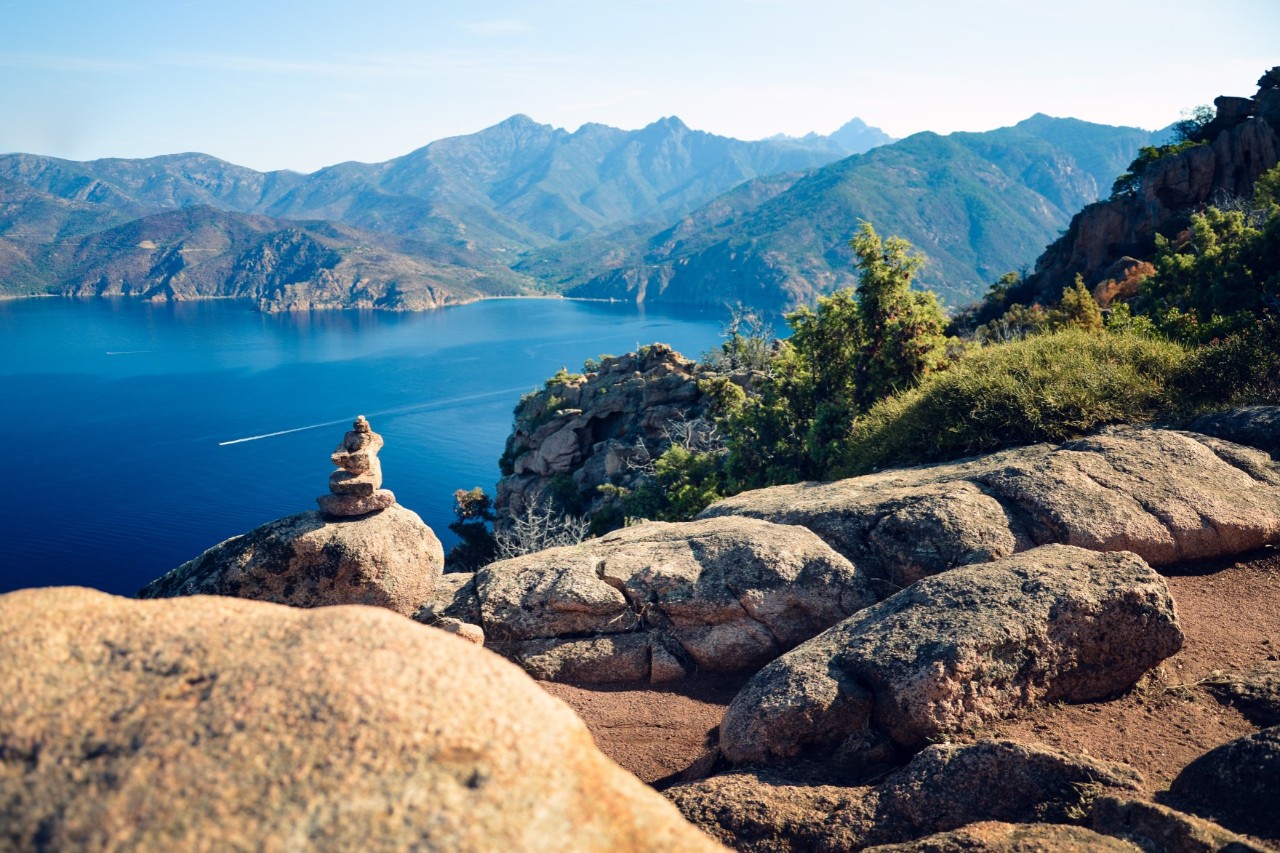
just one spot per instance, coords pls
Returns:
(901, 328)
(1191, 127)
(854, 348)
(1077, 309)
(684, 483)
(1216, 280)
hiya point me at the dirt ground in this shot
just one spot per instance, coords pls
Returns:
(1230, 614)
(658, 732)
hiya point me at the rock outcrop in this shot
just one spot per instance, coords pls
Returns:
(1255, 691)
(1236, 784)
(582, 431)
(963, 648)
(362, 549)
(943, 788)
(1155, 827)
(355, 487)
(1255, 426)
(213, 723)
(646, 602)
(1166, 496)
(454, 597)
(1242, 143)
(998, 837)
(388, 559)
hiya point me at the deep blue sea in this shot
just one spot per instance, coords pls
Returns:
(139, 435)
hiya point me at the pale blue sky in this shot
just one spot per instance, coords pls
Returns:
(303, 85)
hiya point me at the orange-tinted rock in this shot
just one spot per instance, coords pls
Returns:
(215, 723)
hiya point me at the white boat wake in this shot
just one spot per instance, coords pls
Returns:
(434, 405)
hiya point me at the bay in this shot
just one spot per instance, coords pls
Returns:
(138, 435)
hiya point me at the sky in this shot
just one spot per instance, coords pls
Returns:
(276, 85)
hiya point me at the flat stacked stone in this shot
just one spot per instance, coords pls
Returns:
(355, 488)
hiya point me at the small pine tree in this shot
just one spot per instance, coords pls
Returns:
(902, 339)
(1077, 309)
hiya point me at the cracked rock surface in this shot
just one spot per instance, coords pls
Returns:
(646, 602)
(1166, 496)
(959, 649)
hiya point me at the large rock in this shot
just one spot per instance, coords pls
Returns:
(948, 786)
(942, 788)
(1236, 784)
(214, 723)
(998, 837)
(1155, 827)
(1255, 426)
(958, 650)
(601, 427)
(390, 560)
(1166, 496)
(758, 812)
(724, 595)
(1255, 691)
(453, 597)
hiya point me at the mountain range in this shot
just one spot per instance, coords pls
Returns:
(663, 213)
(976, 204)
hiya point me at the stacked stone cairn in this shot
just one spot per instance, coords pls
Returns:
(355, 488)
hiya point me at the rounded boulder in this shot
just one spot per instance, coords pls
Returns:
(388, 559)
(218, 723)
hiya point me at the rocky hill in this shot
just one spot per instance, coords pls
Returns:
(977, 204)
(201, 252)
(472, 201)
(911, 652)
(584, 431)
(1241, 143)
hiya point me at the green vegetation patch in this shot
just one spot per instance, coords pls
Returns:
(1049, 387)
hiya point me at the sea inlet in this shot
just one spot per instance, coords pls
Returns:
(141, 434)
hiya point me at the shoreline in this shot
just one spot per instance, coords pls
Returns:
(16, 297)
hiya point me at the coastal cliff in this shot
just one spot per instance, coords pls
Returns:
(1240, 144)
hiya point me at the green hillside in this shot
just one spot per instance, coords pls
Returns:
(977, 204)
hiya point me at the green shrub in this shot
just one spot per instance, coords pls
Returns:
(473, 510)
(562, 377)
(684, 484)
(1238, 370)
(1048, 387)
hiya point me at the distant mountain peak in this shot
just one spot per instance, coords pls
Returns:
(672, 123)
(519, 120)
(854, 123)
(857, 137)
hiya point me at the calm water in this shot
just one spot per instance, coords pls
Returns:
(126, 422)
